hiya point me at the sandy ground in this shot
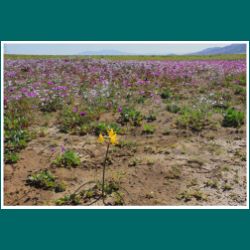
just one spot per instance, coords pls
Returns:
(178, 167)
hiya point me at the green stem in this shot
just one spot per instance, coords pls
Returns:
(103, 171)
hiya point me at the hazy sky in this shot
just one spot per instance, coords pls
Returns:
(74, 49)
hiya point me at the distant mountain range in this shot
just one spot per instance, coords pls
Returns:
(230, 49)
(117, 53)
(104, 53)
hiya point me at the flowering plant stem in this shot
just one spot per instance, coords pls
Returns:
(103, 171)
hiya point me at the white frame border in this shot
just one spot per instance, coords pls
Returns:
(122, 42)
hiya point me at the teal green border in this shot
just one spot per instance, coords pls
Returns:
(113, 21)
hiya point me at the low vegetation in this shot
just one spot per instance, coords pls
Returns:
(233, 118)
(68, 159)
(44, 179)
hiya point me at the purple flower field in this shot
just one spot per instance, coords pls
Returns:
(64, 77)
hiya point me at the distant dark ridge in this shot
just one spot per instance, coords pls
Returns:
(230, 49)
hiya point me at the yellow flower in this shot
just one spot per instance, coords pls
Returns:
(111, 133)
(113, 139)
(101, 138)
(112, 136)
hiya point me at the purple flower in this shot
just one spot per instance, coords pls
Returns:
(50, 83)
(82, 113)
(62, 149)
(75, 109)
(5, 101)
(31, 94)
(60, 88)
(11, 74)
(120, 109)
(52, 149)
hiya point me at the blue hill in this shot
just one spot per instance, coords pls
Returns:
(230, 49)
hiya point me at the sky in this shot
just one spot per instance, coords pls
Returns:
(75, 49)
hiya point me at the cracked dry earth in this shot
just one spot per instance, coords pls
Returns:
(177, 167)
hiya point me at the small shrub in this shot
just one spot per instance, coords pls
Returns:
(16, 136)
(165, 94)
(72, 199)
(174, 173)
(141, 100)
(233, 118)
(148, 129)
(118, 199)
(134, 162)
(150, 118)
(150, 161)
(194, 119)
(100, 127)
(84, 129)
(45, 180)
(188, 195)
(42, 132)
(132, 116)
(71, 120)
(212, 184)
(173, 108)
(11, 158)
(239, 90)
(111, 186)
(52, 104)
(88, 194)
(68, 159)
(227, 187)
